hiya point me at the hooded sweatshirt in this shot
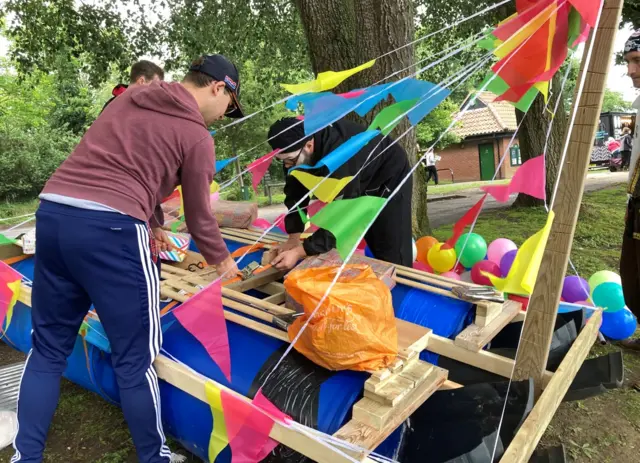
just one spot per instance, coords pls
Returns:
(151, 139)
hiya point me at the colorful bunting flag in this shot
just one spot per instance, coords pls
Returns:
(327, 188)
(224, 163)
(466, 220)
(10, 282)
(524, 271)
(342, 153)
(352, 94)
(372, 96)
(530, 179)
(588, 9)
(347, 220)
(385, 118)
(243, 426)
(326, 80)
(259, 168)
(429, 96)
(203, 316)
(6, 240)
(320, 112)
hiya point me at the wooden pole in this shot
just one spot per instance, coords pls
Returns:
(533, 351)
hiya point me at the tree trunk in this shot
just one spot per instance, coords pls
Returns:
(532, 137)
(344, 34)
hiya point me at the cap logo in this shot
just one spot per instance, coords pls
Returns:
(230, 82)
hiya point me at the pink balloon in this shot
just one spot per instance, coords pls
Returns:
(424, 267)
(498, 248)
(484, 266)
(261, 223)
(452, 275)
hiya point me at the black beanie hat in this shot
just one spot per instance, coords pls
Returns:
(287, 134)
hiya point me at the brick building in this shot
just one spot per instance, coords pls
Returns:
(486, 130)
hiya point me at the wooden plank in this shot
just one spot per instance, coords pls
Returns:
(412, 336)
(530, 433)
(193, 384)
(259, 279)
(276, 299)
(533, 351)
(368, 437)
(272, 288)
(484, 360)
(475, 337)
(392, 392)
(487, 312)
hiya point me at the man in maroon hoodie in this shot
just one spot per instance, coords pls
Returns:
(94, 245)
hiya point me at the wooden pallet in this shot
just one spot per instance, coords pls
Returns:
(490, 317)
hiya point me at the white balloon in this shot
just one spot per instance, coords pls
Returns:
(466, 276)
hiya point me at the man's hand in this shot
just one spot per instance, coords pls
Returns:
(292, 243)
(286, 260)
(162, 240)
(227, 269)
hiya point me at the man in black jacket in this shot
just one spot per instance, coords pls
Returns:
(389, 238)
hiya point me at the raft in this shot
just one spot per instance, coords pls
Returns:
(317, 398)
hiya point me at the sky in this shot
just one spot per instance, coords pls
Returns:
(617, 80)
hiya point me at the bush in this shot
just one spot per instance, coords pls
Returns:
(28, 157)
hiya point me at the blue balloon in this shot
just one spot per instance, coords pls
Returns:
(609, 296)
(368, 253)
(619, 325)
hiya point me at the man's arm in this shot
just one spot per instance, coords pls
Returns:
(196, 177)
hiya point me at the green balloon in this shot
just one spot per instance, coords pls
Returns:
(603, 276)
(474, 251)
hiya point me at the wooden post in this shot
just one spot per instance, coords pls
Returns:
(533, 351)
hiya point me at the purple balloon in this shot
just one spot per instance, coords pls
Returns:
(507, 261)
(575, 289)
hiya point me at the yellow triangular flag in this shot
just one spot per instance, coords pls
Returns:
(524, 271)
(325, 80)
(525, 32)
(328, 189)
(15, 288)
(219, 437)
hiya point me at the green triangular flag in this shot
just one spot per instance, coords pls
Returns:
(303, 215)
(389, 114)
(527, 100)
(6, 240)
(497, 85)
(489, 41)
(575, 24)
(347, 219)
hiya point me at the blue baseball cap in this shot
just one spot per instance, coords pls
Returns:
(223, 70)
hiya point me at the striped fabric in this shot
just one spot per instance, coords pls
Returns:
(179, 241)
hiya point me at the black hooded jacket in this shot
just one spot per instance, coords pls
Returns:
(382, 175)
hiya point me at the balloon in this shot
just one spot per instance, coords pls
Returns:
(424, 267)
(368, 253)
(441, 260)
(575, 289)
(261, 223)
(473, 251)
(498, 248)
(484, 266)
(459, 269)
(506, 262)
(466, 276)
(619, 325)
(609, 296)
(452, 275)
(603, 276)
(415, 249)
(423, 245)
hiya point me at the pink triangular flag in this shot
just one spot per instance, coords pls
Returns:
(530, 179)
(352, 94)
(259, 167)
(249, 427)
(312, 210)
(588, 9)
(203, 316)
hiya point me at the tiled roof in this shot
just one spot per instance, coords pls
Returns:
(496, 117)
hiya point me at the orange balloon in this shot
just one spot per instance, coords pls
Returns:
(424, 244)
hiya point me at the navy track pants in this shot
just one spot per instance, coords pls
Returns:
(104, 258)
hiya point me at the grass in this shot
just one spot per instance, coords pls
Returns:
(598, 237)
(9, 210)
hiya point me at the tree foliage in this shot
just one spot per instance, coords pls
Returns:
(615, 102)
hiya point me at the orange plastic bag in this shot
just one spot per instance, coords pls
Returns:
(354, 328)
